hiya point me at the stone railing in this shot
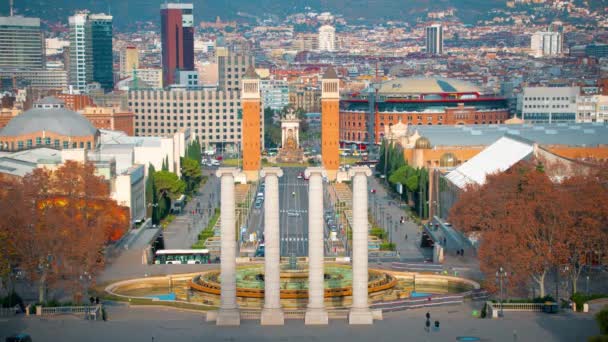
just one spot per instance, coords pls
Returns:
(7, 312)
(93, 312)
(494, 308)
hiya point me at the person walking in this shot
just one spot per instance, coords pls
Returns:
(405, 237)
(427, 326)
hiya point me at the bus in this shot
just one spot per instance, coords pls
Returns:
(181, 256)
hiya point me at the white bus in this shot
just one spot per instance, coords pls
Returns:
(181, 256)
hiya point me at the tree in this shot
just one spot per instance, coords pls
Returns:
(165, 166)
(63, 219)
(152, 196)
(191, 173)
(522, 209)
(168, 184)
(587, 217)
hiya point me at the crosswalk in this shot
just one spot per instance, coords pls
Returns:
(294, 184)
(300, 211)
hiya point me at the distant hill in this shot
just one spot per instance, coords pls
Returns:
(126, 12)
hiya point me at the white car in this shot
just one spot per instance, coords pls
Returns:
(215, 162)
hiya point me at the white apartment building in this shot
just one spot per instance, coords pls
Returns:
(549, 104)
(434, 40)
(592, 108)
(81, 58)
(327, 38)
(544, 44)
(212, 116)
(275, 94)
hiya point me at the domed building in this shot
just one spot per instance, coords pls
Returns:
(416, 101)
(48, 124)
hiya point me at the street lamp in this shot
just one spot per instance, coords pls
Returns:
(501, 275)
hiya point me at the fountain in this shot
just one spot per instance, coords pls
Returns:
(204, 287)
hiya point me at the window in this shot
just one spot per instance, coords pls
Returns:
(38, 141)
(66, 145)
(57, 143)
(47, 141)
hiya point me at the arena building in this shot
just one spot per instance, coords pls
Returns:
(48, 124)
(415, 101)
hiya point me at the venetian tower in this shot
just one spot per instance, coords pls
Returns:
(330, 120)
(251, 124)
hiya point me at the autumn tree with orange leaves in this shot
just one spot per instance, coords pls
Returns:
(530, 224)
(61, 221)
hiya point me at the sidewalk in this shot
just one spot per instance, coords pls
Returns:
(387, 212)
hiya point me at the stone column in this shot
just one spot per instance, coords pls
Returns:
(360, 312)
(315, 313)
(229, 311)
(272, 314)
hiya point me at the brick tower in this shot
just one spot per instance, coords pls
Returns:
(330, 103)
(251, 125)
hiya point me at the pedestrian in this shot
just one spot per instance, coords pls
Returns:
(428, 316)
(405, 237)
(427, 326)
(436, 325)
(462, 252)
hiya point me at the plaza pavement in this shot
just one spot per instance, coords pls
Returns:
(164, 324)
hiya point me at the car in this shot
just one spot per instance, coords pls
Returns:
(260, 195)
(301, 175)
(258, 204)
(215, 162)
(219, 158)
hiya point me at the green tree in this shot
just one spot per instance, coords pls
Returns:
(165, 166)
(191, 173)
(152, 196)
(168, 184)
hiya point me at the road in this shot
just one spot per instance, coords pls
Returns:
(293, 218)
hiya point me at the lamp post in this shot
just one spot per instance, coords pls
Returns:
(587, 290)
(85, 279)
(501, 275)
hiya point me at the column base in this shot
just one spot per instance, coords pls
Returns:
(252, 175)
(272, 317)
(360, 317)
(316, 317)
(228, 317)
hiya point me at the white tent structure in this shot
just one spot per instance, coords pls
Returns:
(497, 157)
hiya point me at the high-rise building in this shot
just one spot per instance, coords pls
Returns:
(434, 40)
(177, 35)
(545, 44)
(330, 123)
(129, 60)
(91, 58)
(81, 61)
(231, 68)
(21, 43)
(327, 38)
(100, 26)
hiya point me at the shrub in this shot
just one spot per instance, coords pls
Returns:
(602, 320)
(378, 232)
(11, 300)
(484, 311)
(387, 246)
(581, 298)
(598, 338)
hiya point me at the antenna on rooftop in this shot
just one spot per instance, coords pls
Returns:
(12, 11)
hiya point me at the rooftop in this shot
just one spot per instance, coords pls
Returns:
(426, 85)
(57, 120)
(574, 134)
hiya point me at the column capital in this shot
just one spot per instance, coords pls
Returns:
(227, 171)
(315, 170)
(268, 171)
(359, 170)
